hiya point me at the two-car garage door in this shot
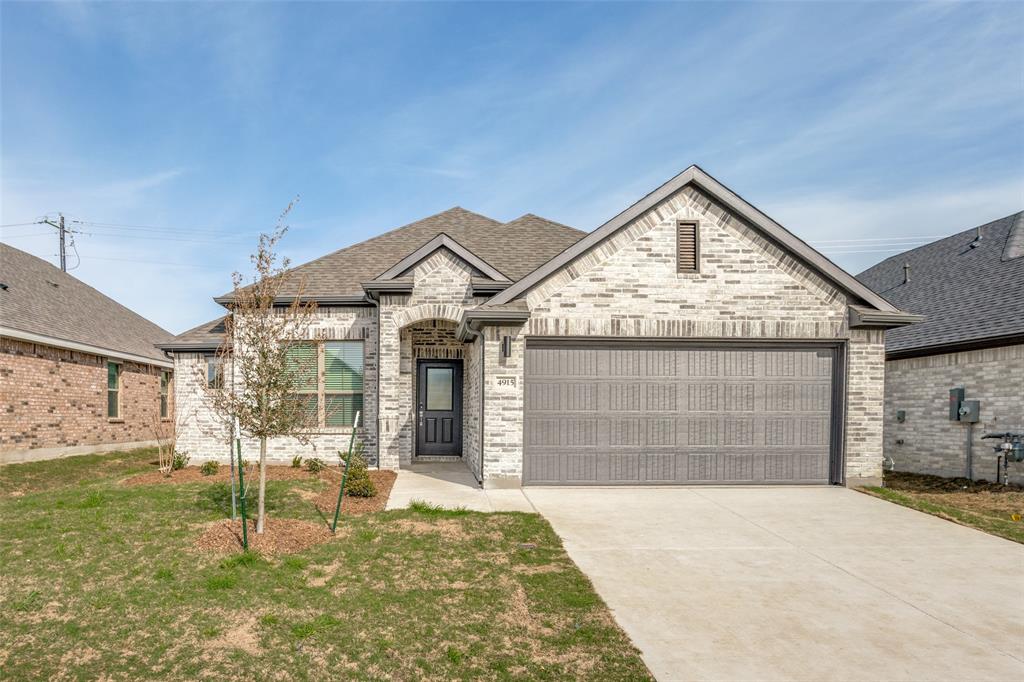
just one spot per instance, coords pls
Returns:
(650, 413)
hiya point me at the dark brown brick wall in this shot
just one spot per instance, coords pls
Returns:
(52, 397)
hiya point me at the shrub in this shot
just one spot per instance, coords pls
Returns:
(297, 462)
(179, 460)
(209, 468)
(358, 483)
(315, 465)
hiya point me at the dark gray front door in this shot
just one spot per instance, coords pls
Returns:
(654, 413)
(439, 407)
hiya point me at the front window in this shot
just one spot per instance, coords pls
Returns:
(303, 364)
(328, 375)
(343, 382)
(214, 372)
(113, 390)
(165, 382)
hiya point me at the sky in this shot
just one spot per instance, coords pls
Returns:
(171, 134)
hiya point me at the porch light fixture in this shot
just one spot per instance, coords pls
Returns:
(506, 346)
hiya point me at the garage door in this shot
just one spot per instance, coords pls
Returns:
(656, 414)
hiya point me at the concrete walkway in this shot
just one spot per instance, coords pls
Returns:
(777, 583)
(450, 484)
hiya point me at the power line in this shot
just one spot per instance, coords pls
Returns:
(34, 222)
(148, 228)
(146, 237)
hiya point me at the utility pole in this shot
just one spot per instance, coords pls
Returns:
(62, 232)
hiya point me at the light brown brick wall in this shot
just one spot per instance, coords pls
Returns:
(56, 398)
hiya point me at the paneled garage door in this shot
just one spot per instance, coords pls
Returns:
(655, 414)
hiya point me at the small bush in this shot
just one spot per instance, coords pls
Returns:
(358, 483)
(297, 462)
(209, 468)
(179, 460)
(315, 465)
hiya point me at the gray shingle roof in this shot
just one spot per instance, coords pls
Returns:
(514, 248)
(966, 294)
(208, 335)
(41, 299)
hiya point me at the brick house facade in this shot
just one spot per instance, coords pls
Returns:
(468, 297)
(55, 403)
(58, 338)
(969, 288)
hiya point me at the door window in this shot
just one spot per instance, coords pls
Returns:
(439, 388)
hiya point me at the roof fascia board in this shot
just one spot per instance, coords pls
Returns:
(441, 241)
(869, 318)
(349, 300)
(955, 347)
(731, 200)
(189, 347)
(82, 347)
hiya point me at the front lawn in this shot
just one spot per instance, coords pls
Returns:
(993, 508)
(103, 580)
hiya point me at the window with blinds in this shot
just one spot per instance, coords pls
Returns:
(687, 247)
(165, 385)
(338, 388)
(303, 367)
(113, 390)
(343, 382)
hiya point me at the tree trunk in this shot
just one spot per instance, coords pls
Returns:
(263, 483)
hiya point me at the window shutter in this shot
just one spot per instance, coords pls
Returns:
(687, 247)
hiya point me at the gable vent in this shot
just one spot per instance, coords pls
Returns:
(687, 247)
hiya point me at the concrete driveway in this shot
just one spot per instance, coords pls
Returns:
(795, 583)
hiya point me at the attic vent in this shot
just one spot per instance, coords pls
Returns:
(687, 247)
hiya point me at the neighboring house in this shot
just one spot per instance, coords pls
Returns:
(970, 288)
(79, 372)
(690, 339)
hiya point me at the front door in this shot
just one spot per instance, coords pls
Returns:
(439, 407)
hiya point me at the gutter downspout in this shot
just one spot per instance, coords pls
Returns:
(376, 416)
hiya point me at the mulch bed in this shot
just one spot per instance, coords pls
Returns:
(191, 474)
(279, 536)
(926, 483)
(328, 499)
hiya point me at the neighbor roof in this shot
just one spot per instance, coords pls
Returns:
(969, 296)
(513, 249)
(39, 302)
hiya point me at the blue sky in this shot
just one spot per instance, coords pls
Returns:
(864, 127)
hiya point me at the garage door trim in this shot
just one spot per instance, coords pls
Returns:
(838, 347)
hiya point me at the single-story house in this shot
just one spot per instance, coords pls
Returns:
(79, 372)
(970, 288)
(688, 340)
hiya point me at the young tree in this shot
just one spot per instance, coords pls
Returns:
(266, 339)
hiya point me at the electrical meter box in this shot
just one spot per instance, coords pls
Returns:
(956, 396)
(970, 411)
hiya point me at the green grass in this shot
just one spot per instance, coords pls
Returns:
(102, 580)
(1000, 525)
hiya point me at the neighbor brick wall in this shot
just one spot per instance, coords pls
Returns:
(56, 398)
(931, 443)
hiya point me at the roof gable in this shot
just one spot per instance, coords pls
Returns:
(697, 177)
(441, 241)
(512, 249)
